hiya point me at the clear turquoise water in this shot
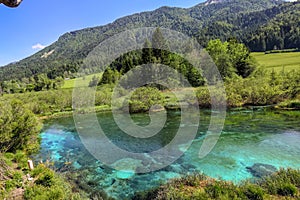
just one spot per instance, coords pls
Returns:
(248, 137)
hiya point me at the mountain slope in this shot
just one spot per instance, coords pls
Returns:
(205, 21)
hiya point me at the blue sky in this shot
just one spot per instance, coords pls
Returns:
(38, 23)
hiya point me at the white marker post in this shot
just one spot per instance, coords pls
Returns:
(30, 164)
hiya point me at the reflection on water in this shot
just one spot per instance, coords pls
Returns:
(249, 137)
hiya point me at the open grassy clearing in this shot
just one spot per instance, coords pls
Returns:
(278, 61)
(81, 82)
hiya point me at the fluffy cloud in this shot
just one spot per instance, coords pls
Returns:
(38, 46)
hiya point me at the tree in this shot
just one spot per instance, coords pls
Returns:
(160, 47)
(144, 98)
(231, 57)
(19, 128)
(220, 55)
(147, 52)
(94, 82)
(110, 76)
(240, 57)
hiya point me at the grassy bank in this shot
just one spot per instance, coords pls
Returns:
(239, 93)
(17, 181)
(284, 184)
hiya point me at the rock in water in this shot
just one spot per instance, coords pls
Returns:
(260, 170)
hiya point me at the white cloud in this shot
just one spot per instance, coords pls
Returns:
(38, 46)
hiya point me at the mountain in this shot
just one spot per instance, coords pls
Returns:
(245, 20)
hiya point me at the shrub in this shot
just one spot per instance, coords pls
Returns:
(222, 189)
(285, 183)
(203, 97)
(49, 186)
(19, 127)
(287, 189)
(17, 178)
(47, 179)
(144, 98)
(253, 192)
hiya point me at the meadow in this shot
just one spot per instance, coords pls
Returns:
(278, 61)
(80, 82)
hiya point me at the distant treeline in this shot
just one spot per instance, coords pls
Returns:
(36, 83)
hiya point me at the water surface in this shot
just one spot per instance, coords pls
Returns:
(249, 137)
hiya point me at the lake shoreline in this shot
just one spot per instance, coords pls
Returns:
(103, 109)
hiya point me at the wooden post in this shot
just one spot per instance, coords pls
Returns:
(30, 164)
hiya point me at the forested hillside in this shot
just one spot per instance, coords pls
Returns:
(260, 24)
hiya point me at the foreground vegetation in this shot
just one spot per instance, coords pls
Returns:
(18, 182)
(284, 184)
(19, 138)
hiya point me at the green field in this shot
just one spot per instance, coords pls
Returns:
(278, 61)
(80, 82)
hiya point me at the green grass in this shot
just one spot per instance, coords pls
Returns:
(278, 61)
(80, 82)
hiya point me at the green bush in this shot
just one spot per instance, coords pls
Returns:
(21, 158)
(17, 178)
(15, 182)
(144, 98)
(49, 186)
(285, 182)
(46, 178)
(287, 189)
(19, 127)
(9, 185)
(253, 192)
(222, 190)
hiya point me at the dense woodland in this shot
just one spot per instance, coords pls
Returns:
(260, 24)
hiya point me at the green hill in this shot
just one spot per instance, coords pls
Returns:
(250, 21)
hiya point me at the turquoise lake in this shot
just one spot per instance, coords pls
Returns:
(250, 136)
